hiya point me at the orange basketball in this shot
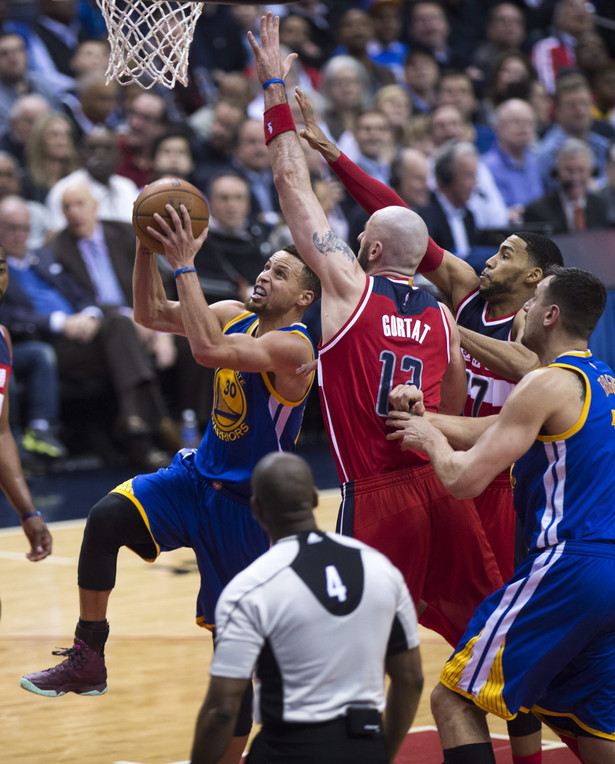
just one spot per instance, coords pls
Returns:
(155, 196)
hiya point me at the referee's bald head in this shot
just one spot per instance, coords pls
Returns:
(283, 492)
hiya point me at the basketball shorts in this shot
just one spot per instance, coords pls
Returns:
(181, 508)
(436, 541)
(497, 515)
(545, 642)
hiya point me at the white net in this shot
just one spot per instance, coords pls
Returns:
(150, 40)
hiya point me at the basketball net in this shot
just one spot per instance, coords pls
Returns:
(150, 40)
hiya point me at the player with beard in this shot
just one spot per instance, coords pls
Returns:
(202, 500)
(379, 330)
(488, 308)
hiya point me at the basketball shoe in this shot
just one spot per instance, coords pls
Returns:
(82, 672)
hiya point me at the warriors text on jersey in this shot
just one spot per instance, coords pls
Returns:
(487, 391)
(6, 364)
(249, 418)
(397, 334)
(555, 503)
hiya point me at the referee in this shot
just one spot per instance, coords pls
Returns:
(319, 619)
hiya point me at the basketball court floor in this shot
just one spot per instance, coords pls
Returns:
(157, 658)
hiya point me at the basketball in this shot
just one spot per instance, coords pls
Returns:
(154, 198)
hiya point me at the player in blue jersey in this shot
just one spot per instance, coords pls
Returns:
(12, 480)
(202, 500)
(545, 642)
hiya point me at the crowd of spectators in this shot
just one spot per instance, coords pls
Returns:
(482, 114)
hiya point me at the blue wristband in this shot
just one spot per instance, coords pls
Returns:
(184, 270)
(30, 514)
(274, 80)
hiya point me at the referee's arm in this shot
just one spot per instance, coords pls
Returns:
(406, 684)
(216, 720)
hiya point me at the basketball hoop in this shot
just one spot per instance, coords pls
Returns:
(149, 40)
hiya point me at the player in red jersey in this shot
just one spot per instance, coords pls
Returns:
(488, 309)
(379, 331)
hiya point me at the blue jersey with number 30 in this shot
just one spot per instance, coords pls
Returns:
(249, 418)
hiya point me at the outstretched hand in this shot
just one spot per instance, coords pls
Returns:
(267, 56)
(180, 246)
(312, 132)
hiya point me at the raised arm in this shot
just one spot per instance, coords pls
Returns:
(152, 309)
(454, 277)
(13, 483)
(342, 278)
(278, 352)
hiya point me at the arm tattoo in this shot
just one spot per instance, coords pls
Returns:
(329, 243)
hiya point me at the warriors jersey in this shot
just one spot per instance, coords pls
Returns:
(487, 391)
(555, 499)
(249, 418)
(398, 334)
(294, 615)
(6, 364)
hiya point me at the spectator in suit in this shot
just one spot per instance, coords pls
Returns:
(571, 206)
(608, 192)
(447, 216)
(428, 26)
(486, 201)
(100, 257)
(114, 193)
(372, 149)
(46, 303)
(94, 103)
(214, 150)
(251, 161)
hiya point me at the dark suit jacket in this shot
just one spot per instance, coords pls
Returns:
(120, 240)
(17, 311)
(438, 226)
(549, 209)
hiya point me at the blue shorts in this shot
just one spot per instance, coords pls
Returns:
(545, 642)
(181, 508)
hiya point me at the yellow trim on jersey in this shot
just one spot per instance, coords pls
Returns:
(274, 392)
(239, 318)
(125, 489)
(582, 419)
(200, 621)
(546, 715)
(490, 696)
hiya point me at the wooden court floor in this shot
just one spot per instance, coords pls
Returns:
(157, 658)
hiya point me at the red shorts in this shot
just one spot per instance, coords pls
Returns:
(436, 541)
(497, 514)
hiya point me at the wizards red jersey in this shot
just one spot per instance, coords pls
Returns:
(6, 364)
(398, 334)
(487, 391)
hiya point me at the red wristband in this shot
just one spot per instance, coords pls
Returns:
(278, 119)
(434, 254)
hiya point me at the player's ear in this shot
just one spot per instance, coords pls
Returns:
(552, 315)
(534, 276)
(306, 298)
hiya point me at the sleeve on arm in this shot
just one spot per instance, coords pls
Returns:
(368, 192)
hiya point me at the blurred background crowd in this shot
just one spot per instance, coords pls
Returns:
(485, 116)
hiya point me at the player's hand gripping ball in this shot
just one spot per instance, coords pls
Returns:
(154, 198)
